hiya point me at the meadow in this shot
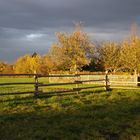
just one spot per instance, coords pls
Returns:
(90, 115)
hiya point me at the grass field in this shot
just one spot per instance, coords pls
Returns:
(89, 115)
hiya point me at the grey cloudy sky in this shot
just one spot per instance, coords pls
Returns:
(27, 26)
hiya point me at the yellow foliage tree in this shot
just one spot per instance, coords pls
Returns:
(109, 56)
(130, 54)
(27, 64)
(72, 51)
(46, 66)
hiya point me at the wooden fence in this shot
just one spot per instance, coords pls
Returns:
(37, 85)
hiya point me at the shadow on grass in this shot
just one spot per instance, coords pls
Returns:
(43, 96)
(92, 116)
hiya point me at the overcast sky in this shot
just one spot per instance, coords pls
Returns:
(28, 26)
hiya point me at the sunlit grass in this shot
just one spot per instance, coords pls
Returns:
(89, 115)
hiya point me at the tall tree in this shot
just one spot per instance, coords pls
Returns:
(108, 56)
(47, 65)
(130, 54)
(72, 50)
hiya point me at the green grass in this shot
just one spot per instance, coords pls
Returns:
(89, 115)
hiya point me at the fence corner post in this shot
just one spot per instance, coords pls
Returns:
(107, 85)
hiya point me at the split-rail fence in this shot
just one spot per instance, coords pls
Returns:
(38, 85)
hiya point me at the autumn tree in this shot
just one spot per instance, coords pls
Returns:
(72, 50)
(130, 54)
(108, 56)
(46, 65)
(9, 69)
(6, 68)
(2, 67)
(27, 64)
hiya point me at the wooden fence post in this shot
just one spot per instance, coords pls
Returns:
(136, 78)
(77, 79)
(36, 85)
(107, 86)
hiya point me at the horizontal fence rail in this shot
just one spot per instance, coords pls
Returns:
(17, 93)
(84, 81)
(57, 84)
(64, 91)
(88, 87)
(21, 83)
(3, 75)
(122, 82)
(66, 75)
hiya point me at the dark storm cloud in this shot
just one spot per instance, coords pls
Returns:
(28, 25)
(33, 14)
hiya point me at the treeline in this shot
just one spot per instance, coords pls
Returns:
(76, 52)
